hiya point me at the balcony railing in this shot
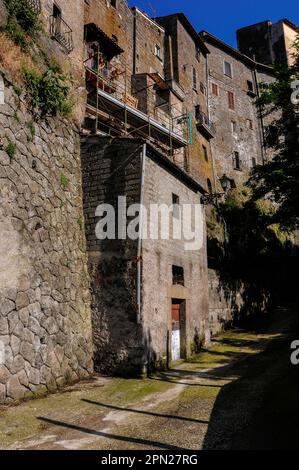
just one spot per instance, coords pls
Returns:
(34, 5)
(205, 125)
(61, 31)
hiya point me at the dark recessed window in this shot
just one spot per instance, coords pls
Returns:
(253, 162)
(205, 153)
(250, 86)
(178, 275)
(249, 124)
(194, 79)
(113, 3)
(209, 185)
(56, 11)
(197, 111)
(237, 162)
(197, 54)
(176, 205)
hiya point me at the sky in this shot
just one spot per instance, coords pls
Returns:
(223, 17)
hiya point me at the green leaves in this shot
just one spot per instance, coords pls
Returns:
(22, 24)
(48, 92)
(279, 178)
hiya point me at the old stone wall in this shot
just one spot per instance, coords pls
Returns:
(45, 318)
(148, 35)
(198, 158)
(111, 168)
(158, 257)
(117, 23)
(239, 129)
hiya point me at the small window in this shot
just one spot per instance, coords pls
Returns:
(237, 162)
(197, 54)
(205, 153)
(234, 127)
(56, 11)
(231, 100)
(158, 51)
(215, 89)
(249, 124)
(209, 185)
(250, 86)
(197, 111)
(202, 88)
(176, 205)
(178, 277)
(253, 162)
(113, 3)
(194, 79)
(228, 69)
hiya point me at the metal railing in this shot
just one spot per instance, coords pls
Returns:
(62, 32)
(116, 81)
(202, 120)
(35, 5)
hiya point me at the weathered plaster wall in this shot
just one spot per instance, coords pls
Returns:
(158, 257)
(45, 319)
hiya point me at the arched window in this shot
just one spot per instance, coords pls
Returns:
(209, 184)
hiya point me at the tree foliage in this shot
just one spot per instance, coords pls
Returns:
(278, 179)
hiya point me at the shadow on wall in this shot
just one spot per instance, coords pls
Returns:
(264, 414)
(244, 289)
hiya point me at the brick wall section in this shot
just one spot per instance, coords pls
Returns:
(45, 317)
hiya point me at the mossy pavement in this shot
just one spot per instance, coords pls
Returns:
(208, 402)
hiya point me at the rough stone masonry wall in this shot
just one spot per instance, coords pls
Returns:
(45, 319)
(111, 168)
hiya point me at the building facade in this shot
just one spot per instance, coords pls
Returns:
(163, 114)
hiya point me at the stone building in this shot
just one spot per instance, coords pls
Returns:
(233, 86)
(188, 72)
(267, 42)
(159, 126)
(150, 298)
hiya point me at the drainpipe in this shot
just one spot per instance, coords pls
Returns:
(170, 57)
(209, 116)
(260, 116)
(139, 249)
(134, 41)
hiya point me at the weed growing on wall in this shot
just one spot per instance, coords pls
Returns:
(48, 92)
(23, 23)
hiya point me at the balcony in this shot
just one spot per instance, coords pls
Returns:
(61, 31)
(109, 98)
(204, 125)
(34, 5)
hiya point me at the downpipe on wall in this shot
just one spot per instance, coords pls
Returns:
(139, 249)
